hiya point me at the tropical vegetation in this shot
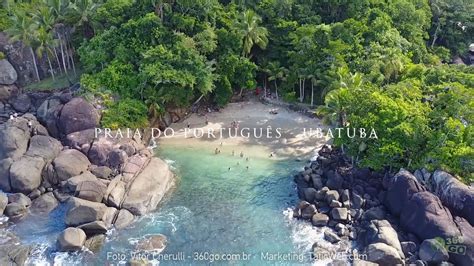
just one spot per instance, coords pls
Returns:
(366, 63)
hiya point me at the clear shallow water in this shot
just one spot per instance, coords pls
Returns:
(212, 211)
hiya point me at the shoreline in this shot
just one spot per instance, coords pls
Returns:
(251, 114)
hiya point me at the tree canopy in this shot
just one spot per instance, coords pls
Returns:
(369, 63)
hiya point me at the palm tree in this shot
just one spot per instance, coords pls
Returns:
(276, 73)
(81, 13)
(313, 80)
(334, 110)
(249, 26)
(23, 29)
(45, 42)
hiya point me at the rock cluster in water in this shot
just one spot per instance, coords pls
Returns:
(416, 219)
(49, 155)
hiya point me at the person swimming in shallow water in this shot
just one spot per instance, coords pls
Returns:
(271, 154)
(233, 152)
(241, 154)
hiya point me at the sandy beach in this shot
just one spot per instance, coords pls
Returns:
(259, 133)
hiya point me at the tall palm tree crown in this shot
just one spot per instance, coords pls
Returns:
(253, 34)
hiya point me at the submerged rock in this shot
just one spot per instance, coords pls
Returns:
(152, 243)
(95, 243)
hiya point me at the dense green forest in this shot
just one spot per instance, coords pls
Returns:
(381, 64)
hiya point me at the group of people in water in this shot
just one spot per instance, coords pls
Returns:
(218, 151)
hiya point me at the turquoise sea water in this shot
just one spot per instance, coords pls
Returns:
(213, 211)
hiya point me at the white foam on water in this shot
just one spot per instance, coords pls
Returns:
(304, 235)
(61, 258)
(3, 220)
(171, 163)
(38, 256)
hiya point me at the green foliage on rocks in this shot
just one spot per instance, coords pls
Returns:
(126, 113)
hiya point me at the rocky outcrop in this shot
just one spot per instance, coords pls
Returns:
(14, 254)
(77, 115)
(44, 203)
(44, 147)
(70, 163)
(8, 74)
(15, 135)
(426, 217)
(84, 211)
(94, 228)
(124, 219)
(383, 254)
(7, 91)
(21, 103)
(458, 197)
(403, 186)
(93, 190)
(5, 174)
(103, 182)
(433, 251)
(25, 173)
(381, 231)
(71, 239)
(389, 216)
(3, 202)
(148, 188)
(48, 114)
